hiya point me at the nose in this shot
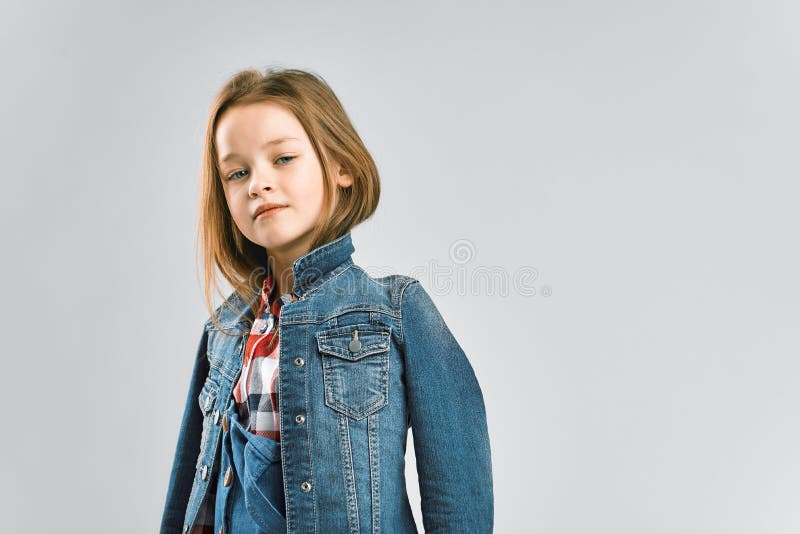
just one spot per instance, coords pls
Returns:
(259, 181)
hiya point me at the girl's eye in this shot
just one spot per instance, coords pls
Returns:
(232, 175)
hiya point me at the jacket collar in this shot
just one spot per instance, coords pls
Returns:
(310, 271)
(316, 267)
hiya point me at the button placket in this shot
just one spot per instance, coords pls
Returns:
(225, 480)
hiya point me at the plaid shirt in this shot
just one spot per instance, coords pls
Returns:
(256, 392)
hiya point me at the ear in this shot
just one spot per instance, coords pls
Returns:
(343, 178)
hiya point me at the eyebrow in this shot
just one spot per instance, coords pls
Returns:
(265, 145)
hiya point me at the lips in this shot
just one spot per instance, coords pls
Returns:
(266, 207)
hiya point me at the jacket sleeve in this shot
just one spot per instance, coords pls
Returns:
(448, 421)
(188, 447)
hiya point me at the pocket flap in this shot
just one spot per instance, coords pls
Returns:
(207, 397)
(344, 342)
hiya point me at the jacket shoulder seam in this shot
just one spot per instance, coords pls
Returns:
(402, 293)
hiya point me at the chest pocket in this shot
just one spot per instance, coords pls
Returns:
(355, 363)
(206, 399)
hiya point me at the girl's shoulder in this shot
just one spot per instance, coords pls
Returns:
(230, 314)
(384, 288)
(392, 280)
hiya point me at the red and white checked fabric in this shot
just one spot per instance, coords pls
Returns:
(256, 392)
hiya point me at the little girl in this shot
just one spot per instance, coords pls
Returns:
(310, 373)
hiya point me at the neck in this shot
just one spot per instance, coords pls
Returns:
(281, 268)
(281, 260)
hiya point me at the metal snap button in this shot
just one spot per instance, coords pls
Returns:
(228, 477)
(298, 362)
(300, 419)
(355, 344)
(306, 486)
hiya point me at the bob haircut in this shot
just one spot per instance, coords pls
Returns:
(311, 100)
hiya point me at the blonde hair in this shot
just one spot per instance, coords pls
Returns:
(331, 133)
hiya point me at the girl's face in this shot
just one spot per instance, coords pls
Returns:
(265, 156)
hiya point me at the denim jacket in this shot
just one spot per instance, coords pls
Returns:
(346, 402)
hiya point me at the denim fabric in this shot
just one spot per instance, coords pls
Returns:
(362, 359)
(253, 501)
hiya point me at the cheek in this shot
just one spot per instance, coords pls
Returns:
(237, 207)
(310, 190)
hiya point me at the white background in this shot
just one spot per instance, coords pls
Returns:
(640, 156)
